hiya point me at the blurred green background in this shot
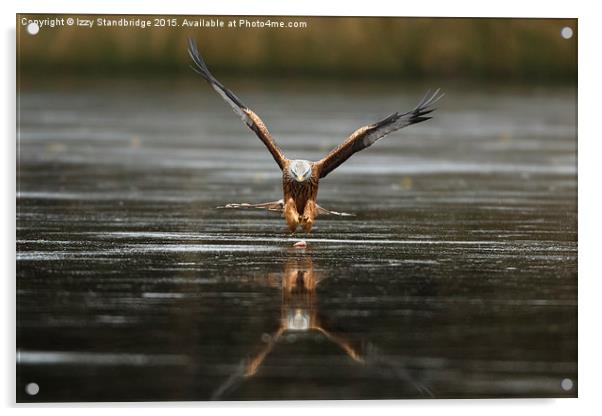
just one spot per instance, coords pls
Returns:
(530, 50)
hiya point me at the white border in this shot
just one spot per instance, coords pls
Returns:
(589, 190)
(507, 8)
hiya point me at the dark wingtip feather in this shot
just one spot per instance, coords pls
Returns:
(194, 68)
(432, 100)
(426, 106)
(201, 66)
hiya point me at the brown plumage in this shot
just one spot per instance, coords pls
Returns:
(300, 199)
(300, 178)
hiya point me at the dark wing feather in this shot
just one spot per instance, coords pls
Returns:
(248, 117)
(368, 135)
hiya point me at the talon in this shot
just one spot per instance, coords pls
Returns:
(307, 225)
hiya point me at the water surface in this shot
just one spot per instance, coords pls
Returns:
(457, 277)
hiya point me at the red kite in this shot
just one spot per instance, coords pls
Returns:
(300, 178)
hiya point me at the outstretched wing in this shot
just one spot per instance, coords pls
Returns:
(368, 135)
(277, 206)
(248, 117)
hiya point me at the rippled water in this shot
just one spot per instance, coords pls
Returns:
(456, 278)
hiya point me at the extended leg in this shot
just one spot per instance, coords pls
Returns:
(309, 214)
(291, 215)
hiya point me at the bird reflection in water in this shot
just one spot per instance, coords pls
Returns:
(299, 311)
(299, 314)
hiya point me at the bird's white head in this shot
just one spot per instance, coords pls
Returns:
(300, 170)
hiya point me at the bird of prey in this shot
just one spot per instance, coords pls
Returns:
(300, 178)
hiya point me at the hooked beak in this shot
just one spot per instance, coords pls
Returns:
(299, 178)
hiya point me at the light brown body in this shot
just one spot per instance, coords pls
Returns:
(300, 206)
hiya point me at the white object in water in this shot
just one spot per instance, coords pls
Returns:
(300, 244)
